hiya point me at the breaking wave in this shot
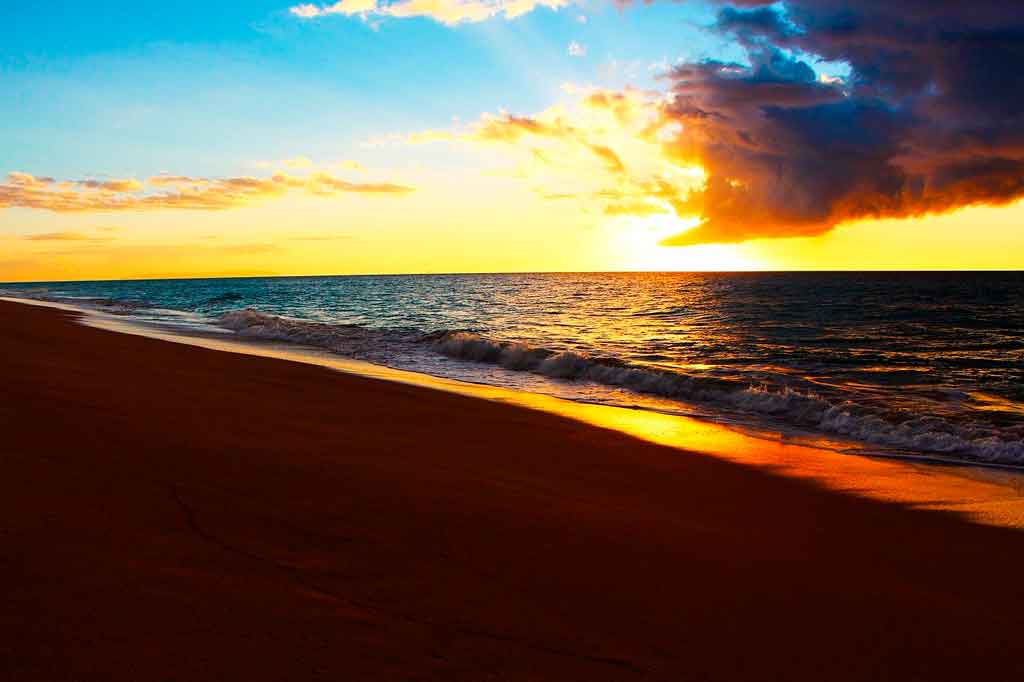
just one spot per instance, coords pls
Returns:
(867, 424)
(833, 414)
(351, 340)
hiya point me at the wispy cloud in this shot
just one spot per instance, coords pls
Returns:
(22, 190)
(604, 150)
(450, 12)
(576, 50)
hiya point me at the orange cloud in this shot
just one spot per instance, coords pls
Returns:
(923, 124)
(634, 208)
(510, 128)
(115, 186)
(26, 180)
(610, 158)
(175, 180)
(172, 191)
(325, 184)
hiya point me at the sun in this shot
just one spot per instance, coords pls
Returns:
(633, 244)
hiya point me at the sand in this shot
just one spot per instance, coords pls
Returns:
(175, 513)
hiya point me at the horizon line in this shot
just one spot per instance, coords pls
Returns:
(145, 278)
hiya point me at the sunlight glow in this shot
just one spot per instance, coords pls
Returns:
(633, 244)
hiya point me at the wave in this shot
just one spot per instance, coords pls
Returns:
(221, 299)
(891, 428)
(114, 306)
(352, 340)
(836, 415)
(868, 424)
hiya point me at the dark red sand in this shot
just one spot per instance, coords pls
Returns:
(173, 513)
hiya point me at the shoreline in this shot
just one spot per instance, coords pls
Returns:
(942, 426)
(876, 392)
(175, 512)
(989, 493)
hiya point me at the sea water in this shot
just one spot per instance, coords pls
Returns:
(894, 363)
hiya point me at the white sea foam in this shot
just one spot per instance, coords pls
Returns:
(113, 306)
(893, 428)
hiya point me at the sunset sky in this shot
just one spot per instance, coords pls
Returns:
(235, 138)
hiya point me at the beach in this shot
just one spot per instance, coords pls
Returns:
(178, 513)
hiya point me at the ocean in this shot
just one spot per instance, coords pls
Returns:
(896, 364)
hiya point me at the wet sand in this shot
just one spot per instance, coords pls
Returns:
(175, 513)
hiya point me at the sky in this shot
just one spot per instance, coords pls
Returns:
(273, 137)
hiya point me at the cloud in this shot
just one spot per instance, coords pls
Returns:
(576, 50)
(112, 186)
(634, 208)
(176, 180)
(611, 160)
(173, 191)
(324, 184)
(927, 121)
(602, 149)
(511, 128)
(26, 180)
(449, 12)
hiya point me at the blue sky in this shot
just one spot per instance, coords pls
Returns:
(210, 86)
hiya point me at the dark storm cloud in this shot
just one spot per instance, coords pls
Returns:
(930, 118)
